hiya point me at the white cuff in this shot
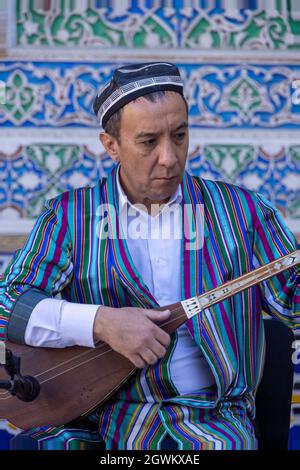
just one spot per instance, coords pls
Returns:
(55, 323)
(77, 323)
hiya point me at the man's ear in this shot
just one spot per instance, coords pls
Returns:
(110, 144)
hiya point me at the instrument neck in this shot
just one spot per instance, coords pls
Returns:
(182, 311)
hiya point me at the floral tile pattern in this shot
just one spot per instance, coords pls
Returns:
(224, 96)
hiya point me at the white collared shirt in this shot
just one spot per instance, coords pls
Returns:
(156, 255)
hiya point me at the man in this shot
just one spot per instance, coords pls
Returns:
(195, 389)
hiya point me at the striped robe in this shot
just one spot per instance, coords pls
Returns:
(66, 253)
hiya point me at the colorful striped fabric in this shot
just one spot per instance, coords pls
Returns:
(65, 253)
(58, 438)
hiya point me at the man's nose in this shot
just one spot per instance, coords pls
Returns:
(167, 154)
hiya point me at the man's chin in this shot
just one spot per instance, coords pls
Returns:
(162, 198)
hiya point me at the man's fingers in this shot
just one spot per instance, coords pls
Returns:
(149, 357)
(162, 337)
(157, 316)
(159, 350)
(138, 361)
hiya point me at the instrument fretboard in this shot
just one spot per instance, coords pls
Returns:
(195, 305)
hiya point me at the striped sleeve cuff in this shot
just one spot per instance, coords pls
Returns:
(21, 313)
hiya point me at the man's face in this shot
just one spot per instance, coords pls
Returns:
(152, 148)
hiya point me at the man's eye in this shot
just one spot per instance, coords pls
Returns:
(149, 142)
(180, 135)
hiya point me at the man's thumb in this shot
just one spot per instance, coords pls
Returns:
(158, 315)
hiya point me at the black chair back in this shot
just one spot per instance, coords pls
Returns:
(273, 400)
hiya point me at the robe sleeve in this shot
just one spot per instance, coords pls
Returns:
(280, 294)
(41, 269)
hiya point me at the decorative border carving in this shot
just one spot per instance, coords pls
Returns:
(141, 25)
(225, 96)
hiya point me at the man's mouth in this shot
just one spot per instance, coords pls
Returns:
(167, 178)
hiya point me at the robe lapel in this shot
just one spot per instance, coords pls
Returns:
(191, 249)
(123, 268)
(199, 274)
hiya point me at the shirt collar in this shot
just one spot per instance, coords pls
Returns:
(123, 200)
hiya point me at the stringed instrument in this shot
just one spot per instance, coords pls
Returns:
(75, 380)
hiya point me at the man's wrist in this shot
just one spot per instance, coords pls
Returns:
(100, 324)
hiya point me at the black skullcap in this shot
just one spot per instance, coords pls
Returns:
(131, 81)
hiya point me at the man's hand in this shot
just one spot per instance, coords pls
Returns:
(133, 333)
